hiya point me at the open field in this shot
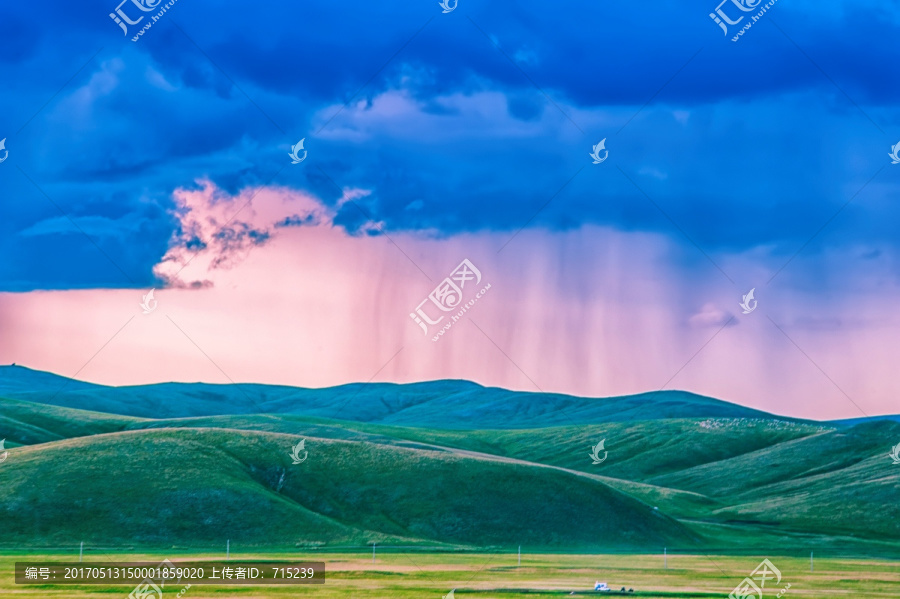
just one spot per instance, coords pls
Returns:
(496, 576)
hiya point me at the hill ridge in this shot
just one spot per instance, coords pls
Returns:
(444, 403)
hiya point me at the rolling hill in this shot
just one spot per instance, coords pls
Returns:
(434, 404)
(199, 486)
(741, 480)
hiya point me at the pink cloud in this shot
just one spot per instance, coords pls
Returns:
(219, 231)
(711, 316)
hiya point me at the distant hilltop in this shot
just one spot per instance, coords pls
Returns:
(455, 404)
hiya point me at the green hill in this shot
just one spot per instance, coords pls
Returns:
(26, 423)
(637, 451)
(200, 486)
(435, 404)
(727, 483)
(841, 481)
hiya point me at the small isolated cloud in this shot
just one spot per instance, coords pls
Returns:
(352, 194)
(94, 226)
(295, 220)
(217, 230)
(711, 316)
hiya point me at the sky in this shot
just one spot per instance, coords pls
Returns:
(447, 165)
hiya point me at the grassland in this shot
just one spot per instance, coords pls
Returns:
(497, 576)
(715, 483)
(721, 486)
(198, 484)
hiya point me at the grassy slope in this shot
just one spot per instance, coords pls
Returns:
(735, 481)
(636, 451)
(783, 473)
(26, 423)
(711, 471)
(841, 481)
(196, 487)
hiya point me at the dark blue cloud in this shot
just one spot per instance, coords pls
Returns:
(471, 121)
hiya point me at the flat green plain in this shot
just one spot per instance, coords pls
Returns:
(497, 576)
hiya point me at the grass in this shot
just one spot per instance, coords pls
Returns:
(720, 483)
(716, 483)
(497, 576)
(172, 485)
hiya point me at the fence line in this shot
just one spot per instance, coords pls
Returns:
(665, 552)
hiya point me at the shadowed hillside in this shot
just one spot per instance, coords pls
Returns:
(435, 404)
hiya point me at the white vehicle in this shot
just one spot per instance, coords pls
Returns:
(601, 586)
